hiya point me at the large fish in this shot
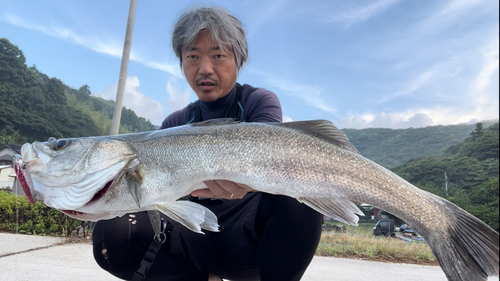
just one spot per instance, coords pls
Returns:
(103, 177)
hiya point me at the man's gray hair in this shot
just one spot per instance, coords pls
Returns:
(224, 28)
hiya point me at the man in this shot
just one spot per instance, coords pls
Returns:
(262, 237)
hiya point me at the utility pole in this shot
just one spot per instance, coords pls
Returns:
(446, 182)
(115, 124)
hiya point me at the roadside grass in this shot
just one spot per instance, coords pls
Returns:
(359, 243)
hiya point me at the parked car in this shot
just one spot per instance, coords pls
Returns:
(384, 227)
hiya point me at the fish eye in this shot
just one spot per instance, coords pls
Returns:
(60, 144)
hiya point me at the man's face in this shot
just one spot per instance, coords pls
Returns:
(210, 71)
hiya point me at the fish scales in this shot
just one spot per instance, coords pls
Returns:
(311, 161)
(304, 171)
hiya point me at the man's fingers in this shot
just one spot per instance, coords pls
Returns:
(223, 189)
(237, 190)
(220, 191)
(213, 278)
(207, 193)
(232, 185)
(214, 190)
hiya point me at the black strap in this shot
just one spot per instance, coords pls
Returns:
(197, 113)
(233, 110)
(154, 248)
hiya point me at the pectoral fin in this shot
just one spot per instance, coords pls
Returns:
(133, 177)
(192, 215)
(339, 209)
(155, 219)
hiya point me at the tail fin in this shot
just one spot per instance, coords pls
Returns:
(471, 252)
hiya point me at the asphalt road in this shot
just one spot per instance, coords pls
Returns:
(25, 257)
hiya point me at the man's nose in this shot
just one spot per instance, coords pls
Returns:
(206, 67)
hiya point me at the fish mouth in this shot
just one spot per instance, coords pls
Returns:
(99, 194)
(87, 216)
(21, 178)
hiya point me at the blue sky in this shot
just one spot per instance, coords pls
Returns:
(377, 63)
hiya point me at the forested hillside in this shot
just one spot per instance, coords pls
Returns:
(34, 107)
(393, 147)
(472, 172)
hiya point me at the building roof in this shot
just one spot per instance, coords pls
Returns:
(14, 147)
(8, 151)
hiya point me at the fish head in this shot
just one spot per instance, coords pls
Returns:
(70, 173)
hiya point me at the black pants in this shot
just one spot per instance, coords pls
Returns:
(282, 244)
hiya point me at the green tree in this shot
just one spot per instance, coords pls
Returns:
(478, 131)
(485, 202)
(423, 171)
(472, 167)
(8, 135)
(11, 63)
(35, 107)
(391, 148)
(482, 146)
(83, 92)
(466, 172)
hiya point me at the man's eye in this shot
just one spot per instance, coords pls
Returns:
(191, 57)
(219, 56)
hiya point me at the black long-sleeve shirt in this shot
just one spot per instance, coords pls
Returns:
(231, 252)
(259, 105)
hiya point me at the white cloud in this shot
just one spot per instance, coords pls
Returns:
(91, 41)
(360, 14)
(464, 85)
(445, 16)
(482, 99)
(422, 117)
(392, 120)
(262, 14)
(352, 122)
(489, 67)
(287, 119)
(177, 98)
(173, 69)
(420, 81)
(134, 99)
(101, 44)
(310, 94)
(395, 120)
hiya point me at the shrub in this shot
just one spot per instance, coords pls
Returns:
(33, 218)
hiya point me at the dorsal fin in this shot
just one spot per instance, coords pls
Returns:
(215, 122)
(324, 130)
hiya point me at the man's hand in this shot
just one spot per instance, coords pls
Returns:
(214, 278)
(222, 189)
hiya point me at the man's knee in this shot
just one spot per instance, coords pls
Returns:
(287, 212)
(118, 246)
(290, 208)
